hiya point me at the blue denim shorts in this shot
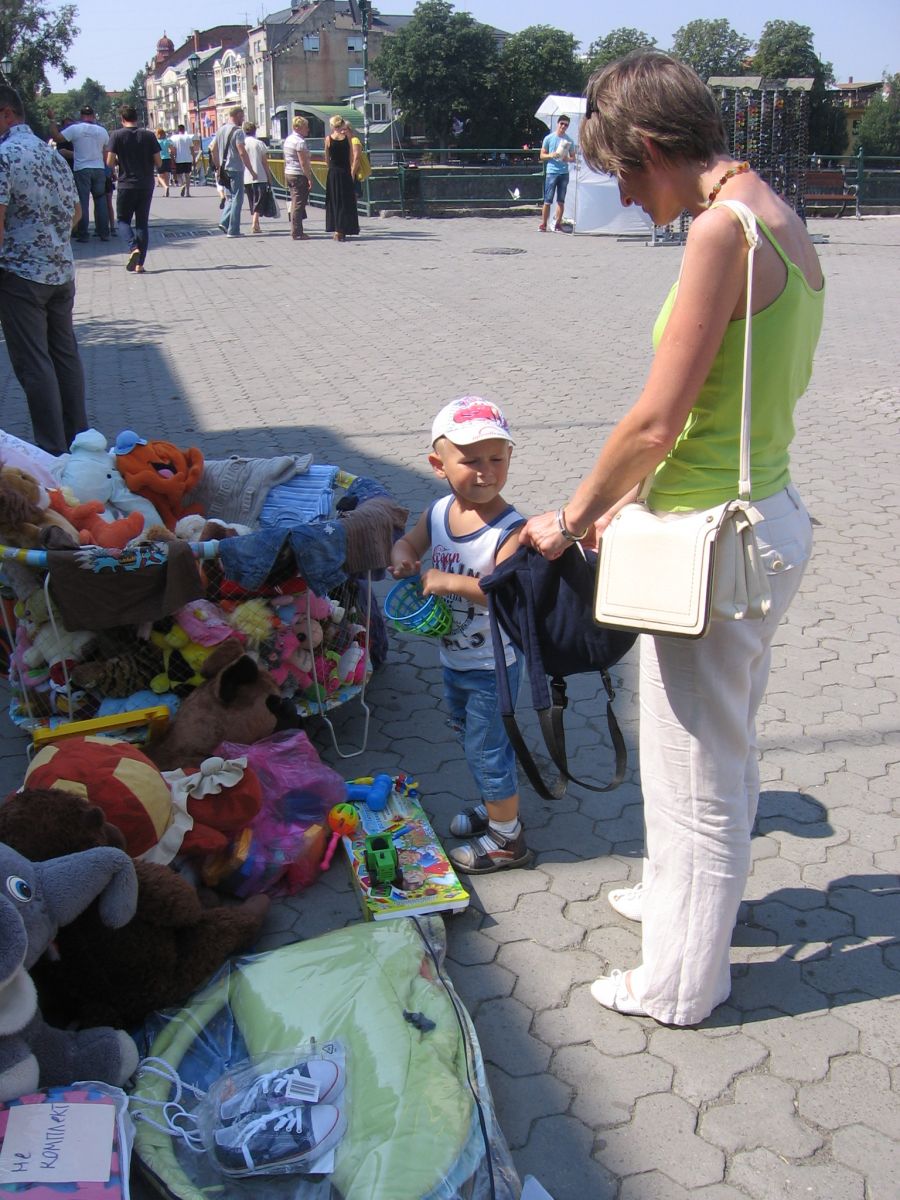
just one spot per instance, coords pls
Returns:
(556, 183)
(474, 707)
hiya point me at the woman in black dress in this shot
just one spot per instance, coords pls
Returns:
(341, 216)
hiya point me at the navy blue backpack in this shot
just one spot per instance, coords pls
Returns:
(546, 610)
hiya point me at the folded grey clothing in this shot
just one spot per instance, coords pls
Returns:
(235, 488)
(372, 528)
(99, 589)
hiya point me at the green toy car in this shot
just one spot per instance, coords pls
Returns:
(382, 862)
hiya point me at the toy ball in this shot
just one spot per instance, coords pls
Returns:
(117, 777)
(343, 820)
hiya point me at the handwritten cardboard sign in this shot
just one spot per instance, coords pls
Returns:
(58, 1142)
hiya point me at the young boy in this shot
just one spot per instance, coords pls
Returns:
(469, 532)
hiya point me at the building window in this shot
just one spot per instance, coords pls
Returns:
(356, 77)
(354, 44)
(311, 43)
(376, 112)
(230, 83)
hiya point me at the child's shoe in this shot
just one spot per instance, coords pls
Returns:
(286, 1137)
(314, 1080)
(493, 851)
(470, 822)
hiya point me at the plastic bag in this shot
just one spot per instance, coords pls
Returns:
(282, 848)
(420, 1118)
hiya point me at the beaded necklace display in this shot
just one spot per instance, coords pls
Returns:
(737, 169)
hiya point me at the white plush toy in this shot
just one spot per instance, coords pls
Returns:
(90, 473)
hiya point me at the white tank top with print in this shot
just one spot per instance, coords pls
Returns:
(468, 646)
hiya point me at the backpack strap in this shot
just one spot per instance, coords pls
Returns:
(550, 717)
(555, 735)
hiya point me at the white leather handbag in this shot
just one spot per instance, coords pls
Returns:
(671, 573)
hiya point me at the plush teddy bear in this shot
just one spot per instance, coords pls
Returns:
(26, 518)
(169, 947)
(50, 643)
(238, 702)
(38, 899)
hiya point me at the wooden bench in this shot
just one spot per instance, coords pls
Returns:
(829, 189)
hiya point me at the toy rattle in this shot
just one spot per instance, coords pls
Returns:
(342, 821)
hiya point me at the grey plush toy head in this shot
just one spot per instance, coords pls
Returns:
(36, 898)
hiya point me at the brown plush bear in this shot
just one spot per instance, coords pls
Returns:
(117, 977)
(26, 518)
(237, 703)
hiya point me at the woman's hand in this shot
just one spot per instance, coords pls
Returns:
(543, 534)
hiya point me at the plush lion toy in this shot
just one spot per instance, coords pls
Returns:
(162, 474)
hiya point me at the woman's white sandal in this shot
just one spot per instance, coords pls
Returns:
(612, 992)
(628, 902)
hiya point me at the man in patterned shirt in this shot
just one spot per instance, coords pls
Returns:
(38, 204)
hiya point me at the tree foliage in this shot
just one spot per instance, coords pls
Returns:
(711, 47)
(786, 50)
(440, 68)
(879, 126)
(534, 63)
(615, 44)
(135, 94)
(96, 96)
(35, 37)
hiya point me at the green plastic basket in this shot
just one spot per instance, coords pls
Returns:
(409, 610)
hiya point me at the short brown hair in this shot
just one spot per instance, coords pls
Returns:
(649, 95)
(249, 127)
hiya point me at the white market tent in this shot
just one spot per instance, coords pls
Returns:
(592, 201)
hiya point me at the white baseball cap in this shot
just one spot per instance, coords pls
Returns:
(470, 419)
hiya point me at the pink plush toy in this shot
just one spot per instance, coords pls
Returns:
(205, 623)
(351, 666)
(309, 604)
(283, 660)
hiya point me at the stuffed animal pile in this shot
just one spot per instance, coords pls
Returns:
(150, 941)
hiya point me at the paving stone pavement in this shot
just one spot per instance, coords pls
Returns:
(793, 1087)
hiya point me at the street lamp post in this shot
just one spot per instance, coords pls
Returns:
(5, 67)
(365, 8)
(194, 76)
(142, 97)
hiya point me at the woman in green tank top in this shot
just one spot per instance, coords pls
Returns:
(652, 123)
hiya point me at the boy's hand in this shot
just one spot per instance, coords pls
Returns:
(438, 583)
(404, 567)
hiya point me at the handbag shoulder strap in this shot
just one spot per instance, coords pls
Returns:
(748, 222)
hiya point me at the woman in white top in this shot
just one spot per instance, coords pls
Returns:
(298, 175)
(255, 189)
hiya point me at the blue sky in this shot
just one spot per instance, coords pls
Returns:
(861, 40)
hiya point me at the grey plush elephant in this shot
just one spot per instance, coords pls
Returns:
(35, 900)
